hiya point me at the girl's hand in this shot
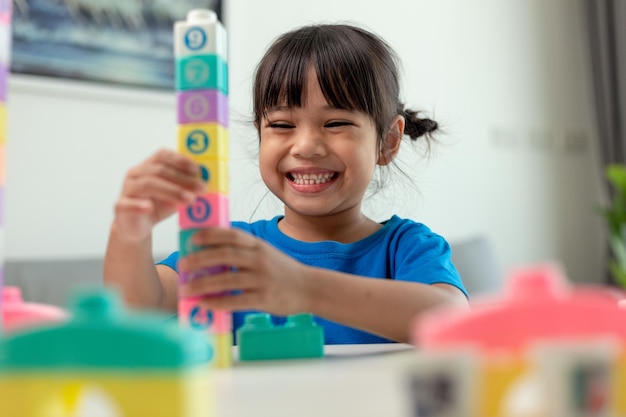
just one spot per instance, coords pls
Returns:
(265, 278)
(152, 192)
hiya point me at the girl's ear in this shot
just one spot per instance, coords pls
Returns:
(391, 142)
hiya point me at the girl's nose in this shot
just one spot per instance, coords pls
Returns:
(308, 143)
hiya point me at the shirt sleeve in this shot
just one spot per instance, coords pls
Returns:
(425, 257)
(171, 261)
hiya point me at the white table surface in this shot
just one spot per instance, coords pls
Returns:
(352, 380)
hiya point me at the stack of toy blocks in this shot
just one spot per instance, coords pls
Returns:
(121, 363)
(200, 49)
(5, 55)
(298, 338)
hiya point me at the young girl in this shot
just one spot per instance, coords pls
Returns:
(327, 112)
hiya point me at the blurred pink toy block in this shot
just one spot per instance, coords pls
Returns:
(563, 343)
(538, 304)
(18, 314)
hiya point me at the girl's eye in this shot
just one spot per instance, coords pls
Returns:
(279, 125)
(338, 124)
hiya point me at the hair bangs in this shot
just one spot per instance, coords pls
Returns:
(343, 73)
(281, 81)
(346, 68)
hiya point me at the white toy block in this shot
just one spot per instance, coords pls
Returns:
(444, 383)
(200, 34)
(2, 253)
(577, 377)
(5, 45)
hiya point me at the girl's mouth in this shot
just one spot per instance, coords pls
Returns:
(311, 179)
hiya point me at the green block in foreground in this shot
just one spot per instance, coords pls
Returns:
(300, 337)
(102, 334)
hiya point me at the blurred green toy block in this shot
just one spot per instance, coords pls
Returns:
(298, 338)
(127, 358)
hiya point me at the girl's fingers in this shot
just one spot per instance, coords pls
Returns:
(135, 205)
(158, 188)
(176, 160)
(223, 246)
(213, 255)
(219, 283)
(190, 181)
(218, 236)
(169, 166)
(247, 300)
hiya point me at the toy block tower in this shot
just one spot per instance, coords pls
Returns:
(200, 50)
(5, 55)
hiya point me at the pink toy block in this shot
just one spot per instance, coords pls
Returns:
(17, 314)
(202, 106)
(222, 322)
(538, 304)
(6, 9)
(192, 315)
(208, 210)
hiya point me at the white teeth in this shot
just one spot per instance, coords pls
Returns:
(310, 179)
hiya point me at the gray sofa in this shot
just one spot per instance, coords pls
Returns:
(53, 281)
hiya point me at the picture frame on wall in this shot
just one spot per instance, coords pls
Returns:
(120, 42)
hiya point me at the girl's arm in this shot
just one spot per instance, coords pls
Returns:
(271, 281)
(129, 267)
(152, 191)
(380, 306)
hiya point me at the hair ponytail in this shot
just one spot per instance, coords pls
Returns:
(416, 127)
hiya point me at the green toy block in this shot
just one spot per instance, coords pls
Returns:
(300, 337)
(101, 334)
(202, 72)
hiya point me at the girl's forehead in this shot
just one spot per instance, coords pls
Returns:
(309, 88)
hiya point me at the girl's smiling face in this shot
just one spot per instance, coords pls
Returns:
(317, 159)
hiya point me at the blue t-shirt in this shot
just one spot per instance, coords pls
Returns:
(402, 250)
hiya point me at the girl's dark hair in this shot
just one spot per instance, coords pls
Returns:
(356, 70)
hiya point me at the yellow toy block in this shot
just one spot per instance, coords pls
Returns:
(215, 175)
(499, 375)
(3, 123)
(67, 393)
(203, 142)
(223, 350)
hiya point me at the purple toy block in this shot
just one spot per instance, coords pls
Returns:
(202, 106)
(185, 277)
(4, 78)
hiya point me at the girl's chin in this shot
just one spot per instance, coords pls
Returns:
(308, 210)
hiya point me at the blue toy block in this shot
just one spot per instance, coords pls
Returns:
(300, 337)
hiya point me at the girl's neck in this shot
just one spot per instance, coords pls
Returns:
(345, 227)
